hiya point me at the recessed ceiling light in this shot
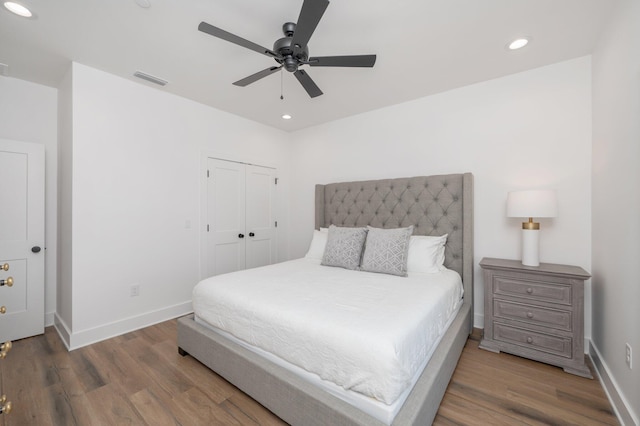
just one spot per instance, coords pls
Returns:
(286, 116)
(518, 43)
(18, 9)
(145, 4)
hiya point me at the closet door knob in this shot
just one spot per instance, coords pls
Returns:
(35, 249)
(240, 235)
(4, 267)
(251, 234)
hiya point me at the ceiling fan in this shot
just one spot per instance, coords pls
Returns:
(292, 51)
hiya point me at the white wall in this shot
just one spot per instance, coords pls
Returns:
(529, 130)
(28, 114)
(64, 300)
(136, 179)
(616, 206)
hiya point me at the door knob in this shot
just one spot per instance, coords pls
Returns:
(4, 267)
(251, 234)
(3, 309)
(240, 235)
(8, 282)
(36, 249)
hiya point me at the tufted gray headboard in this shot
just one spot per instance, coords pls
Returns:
(434, 205)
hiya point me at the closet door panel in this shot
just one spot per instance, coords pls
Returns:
(226, 217)
(260, 221)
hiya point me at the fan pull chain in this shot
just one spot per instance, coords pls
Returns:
(281, 85)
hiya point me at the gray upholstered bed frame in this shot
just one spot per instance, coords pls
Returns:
(435, 205)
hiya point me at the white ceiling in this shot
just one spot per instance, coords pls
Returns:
(423, 47)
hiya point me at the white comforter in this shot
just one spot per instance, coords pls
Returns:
(366, 332)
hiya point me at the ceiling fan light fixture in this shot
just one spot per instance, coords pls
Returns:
(518, 43)
(286, 116)
(18, 9)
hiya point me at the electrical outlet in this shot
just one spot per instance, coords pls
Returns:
(629, 358)
(135, 290)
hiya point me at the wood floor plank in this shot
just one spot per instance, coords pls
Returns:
(461, 411)
(114, 407)
(139, 379)
(194, 408)
(152, 410)
(257, 413)
(212, 385)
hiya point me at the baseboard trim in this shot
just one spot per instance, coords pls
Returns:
(478, 321)
(78, 339)
(620, 404)
(62, 329)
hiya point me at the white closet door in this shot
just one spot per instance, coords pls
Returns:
(226, 217)
(261, 232)
(21, 239)
(241, 225)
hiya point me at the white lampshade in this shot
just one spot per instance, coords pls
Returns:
(532, 203)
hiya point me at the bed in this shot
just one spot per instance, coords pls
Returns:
(433, 205)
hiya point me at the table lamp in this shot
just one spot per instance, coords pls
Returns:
(532, 203)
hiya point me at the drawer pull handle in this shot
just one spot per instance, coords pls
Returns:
(529, 290)
(529, 339)
(5, 348)
(8, 282)
(529, 314)
(4, 267)
(3, 309)
(5, 408)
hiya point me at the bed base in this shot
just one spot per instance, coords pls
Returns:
(299, 403)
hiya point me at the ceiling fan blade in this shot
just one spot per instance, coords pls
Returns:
(307, 83)
(310, 14)
(232, 38)
(343, 61)
(257, 76)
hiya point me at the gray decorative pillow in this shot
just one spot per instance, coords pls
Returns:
(344, 247)
(386, 251)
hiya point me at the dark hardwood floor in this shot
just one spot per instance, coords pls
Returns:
(139, 379)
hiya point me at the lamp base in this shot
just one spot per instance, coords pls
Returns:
(530, 247)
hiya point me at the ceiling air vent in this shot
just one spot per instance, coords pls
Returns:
(150, 78)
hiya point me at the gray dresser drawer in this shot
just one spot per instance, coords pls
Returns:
(554, 318)
(534, 290)
(530, 339)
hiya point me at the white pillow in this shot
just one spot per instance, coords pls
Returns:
(318, 243)
(426, 253)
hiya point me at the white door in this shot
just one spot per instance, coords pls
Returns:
(240, 224)
(21, 239)
(225, 213)
(260, 225)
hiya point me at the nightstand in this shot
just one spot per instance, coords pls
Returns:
(536, 312)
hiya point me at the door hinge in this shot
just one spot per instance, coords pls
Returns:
(276, 181)
(207, 173)
(276, 223)
(207, 227)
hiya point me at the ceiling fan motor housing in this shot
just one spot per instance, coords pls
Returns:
(284, 48)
